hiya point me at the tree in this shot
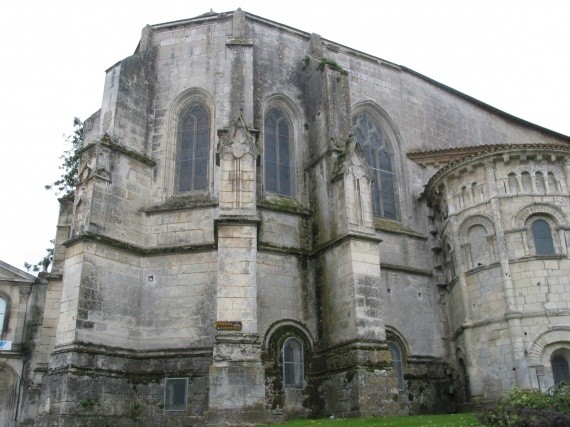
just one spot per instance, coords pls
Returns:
(65, 184)
(70, 162)
(44, 263)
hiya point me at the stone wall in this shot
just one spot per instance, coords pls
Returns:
(150, 283)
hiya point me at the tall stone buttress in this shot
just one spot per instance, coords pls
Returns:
(237, 380)
(352, 328)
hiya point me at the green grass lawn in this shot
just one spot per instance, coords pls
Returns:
(446, 420)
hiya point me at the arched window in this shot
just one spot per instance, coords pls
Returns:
(397, 363)
(513, 183)
(540, 186)
(526, 182)
(278, 154)
(293, 364)
(193, 149)
(560, 370)
(477, 236)
(542, 236)
(3, 307)
(379, 155)
(552, 183)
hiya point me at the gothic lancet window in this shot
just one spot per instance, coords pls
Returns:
(542, 236)
(293, 364)
(193, 149)
(379, 154)
(278, 152)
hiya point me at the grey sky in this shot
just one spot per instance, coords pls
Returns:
(513, 55)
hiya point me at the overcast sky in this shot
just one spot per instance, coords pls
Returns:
(511, 54)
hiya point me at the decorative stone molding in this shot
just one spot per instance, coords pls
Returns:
(552, 335)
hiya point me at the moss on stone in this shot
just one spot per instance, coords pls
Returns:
(391, 226)
(325, 62)
(284, 204)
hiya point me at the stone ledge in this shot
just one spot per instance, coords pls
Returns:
(139, 250)
(338, 240)
(284, 205)
(406, 269)
(106, 141)
(395, 227)
(183, 202)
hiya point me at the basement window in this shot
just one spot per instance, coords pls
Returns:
(175, 394)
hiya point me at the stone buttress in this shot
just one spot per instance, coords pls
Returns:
(354, 362)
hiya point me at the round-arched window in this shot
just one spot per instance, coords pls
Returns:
(542, 236)
(293, 364)
(560, 370)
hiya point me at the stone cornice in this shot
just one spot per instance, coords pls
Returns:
(550, 312)
(504, 151)
(139, 250)
(105, 141)
(284, 250)
(183, 202)
(395, 227)
(346, 236)
(406, 269)
(284, 205)
(100, 349)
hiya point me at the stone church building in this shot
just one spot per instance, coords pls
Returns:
(270, 225)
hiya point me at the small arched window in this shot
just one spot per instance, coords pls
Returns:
(397, 363)
(526, 182)
(513, 183)
(542, 236)
(278, 154)
(193, 149)
(379, 154)
(3, 307)
(293, 364)
(539, 180)
(552, 182)
(560, 370)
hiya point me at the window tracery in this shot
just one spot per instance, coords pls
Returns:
(193, 149)
(279, 170)
(379, 153)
